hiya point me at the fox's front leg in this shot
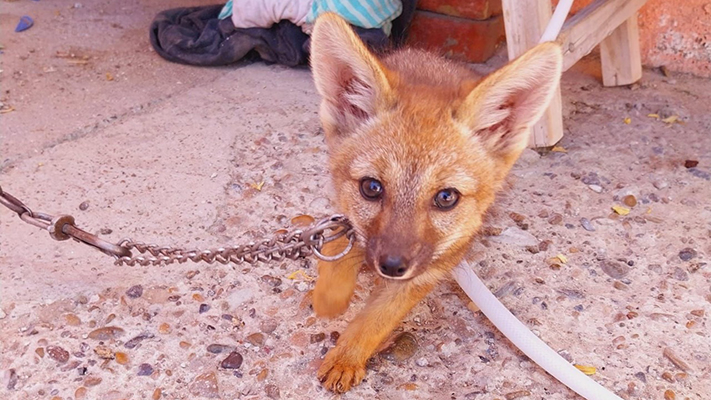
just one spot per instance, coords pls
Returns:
(336, 279)
(344, 365)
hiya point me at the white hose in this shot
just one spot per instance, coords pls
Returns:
(557, 20)
(525, 340)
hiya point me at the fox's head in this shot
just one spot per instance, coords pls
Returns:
(419, 146)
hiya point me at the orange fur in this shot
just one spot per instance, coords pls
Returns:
(337, 280)
(418, 124)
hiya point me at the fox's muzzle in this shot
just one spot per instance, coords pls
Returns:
(397, 258)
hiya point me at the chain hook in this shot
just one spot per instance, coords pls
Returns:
(316, 237)
(351, 241)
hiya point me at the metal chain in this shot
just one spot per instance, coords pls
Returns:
(284, 244)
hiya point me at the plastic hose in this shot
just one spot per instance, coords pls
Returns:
(557, 20)
(525, 340)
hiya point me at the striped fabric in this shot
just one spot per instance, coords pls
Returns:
(226, 10)
(363, 13)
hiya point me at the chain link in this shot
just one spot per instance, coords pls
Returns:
(284, 244)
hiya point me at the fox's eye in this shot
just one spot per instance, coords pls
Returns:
(446, 199)
(371, 189)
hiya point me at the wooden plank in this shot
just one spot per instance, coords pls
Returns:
(583, 31)
(620, 55)
(524, 22)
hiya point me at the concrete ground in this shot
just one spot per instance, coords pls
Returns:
(96, 125)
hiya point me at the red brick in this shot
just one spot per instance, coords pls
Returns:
(472, 9)
(458, 38)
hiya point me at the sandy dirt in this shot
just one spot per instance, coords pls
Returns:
(134, 146)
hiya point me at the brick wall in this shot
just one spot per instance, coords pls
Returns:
(468, 30)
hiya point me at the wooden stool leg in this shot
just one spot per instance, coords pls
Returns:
(620, 56)
(549, 130)
(525, 21)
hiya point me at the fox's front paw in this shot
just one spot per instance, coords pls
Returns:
(339, 374)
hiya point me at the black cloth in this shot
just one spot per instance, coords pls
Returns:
(195, 36)
(401, 24)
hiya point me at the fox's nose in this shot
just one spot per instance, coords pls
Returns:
(394, 266)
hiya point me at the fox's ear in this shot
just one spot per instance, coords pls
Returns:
(502, 108)
(350, 79)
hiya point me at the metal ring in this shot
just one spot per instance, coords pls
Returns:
(56, 227)
(40, 223)
(14, 204)
(317, 253)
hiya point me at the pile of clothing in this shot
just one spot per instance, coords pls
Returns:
(275, 30)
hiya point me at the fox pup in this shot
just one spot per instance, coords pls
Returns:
(418, 148)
